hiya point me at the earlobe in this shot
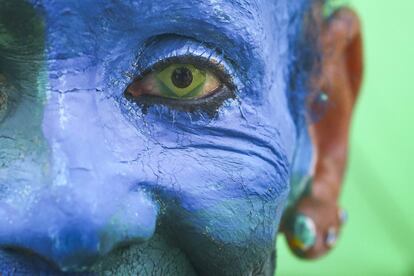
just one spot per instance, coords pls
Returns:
(338, 80)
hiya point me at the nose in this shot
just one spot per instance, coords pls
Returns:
(74, 241)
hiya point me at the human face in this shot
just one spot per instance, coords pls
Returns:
(93, 181)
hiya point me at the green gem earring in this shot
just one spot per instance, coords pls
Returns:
(304, 232)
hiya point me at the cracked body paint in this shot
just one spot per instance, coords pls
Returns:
(90, 182)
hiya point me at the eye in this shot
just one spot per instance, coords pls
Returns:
(176, 81)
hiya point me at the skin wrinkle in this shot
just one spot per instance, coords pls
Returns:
(220, 182)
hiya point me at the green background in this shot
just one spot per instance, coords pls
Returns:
(379, 192)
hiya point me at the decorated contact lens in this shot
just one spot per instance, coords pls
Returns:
(176, 81)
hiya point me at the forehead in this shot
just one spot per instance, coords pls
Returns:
(237, 25)
(223, 11)
(234, 25)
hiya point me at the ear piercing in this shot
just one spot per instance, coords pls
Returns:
(322, 97)
(331, 237)
(343, 216)
(319, 105)
(304, 232)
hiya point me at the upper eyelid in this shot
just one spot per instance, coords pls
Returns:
(160, 51)
(222, 74)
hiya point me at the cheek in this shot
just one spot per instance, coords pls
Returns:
(222, 204)
(23, 151)
(225, 189)
(222, 180)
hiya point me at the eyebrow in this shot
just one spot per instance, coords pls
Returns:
(230, 26)
(244, 31)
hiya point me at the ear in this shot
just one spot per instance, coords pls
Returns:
(338, 81)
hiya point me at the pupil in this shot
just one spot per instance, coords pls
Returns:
(182, 77)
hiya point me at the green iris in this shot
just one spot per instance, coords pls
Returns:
(181, 81)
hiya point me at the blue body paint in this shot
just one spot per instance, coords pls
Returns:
(94, 172)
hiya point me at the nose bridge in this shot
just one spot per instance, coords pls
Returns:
(74, 131)
(70, 121)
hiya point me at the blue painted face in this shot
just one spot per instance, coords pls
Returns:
(93, 179)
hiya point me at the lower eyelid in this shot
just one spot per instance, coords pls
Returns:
(209, 104)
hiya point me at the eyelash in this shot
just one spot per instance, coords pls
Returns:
(150, 60)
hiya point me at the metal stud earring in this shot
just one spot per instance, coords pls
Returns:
(319, 105)
(331, 237)
(323, 97)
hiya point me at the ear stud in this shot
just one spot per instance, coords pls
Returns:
(343, 216)
(319, 105)
(331, 237)
(323, 97)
